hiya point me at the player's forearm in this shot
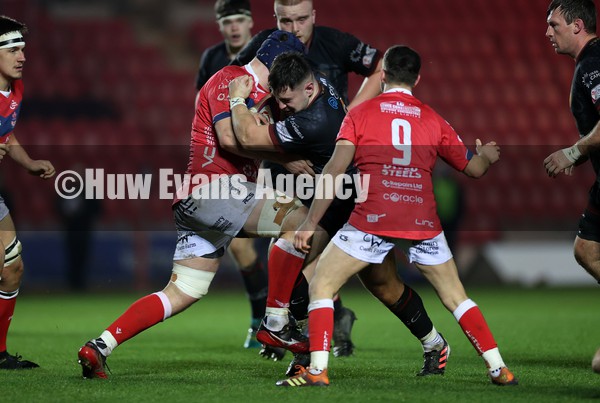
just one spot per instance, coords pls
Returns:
(477, 166)
(243, 122)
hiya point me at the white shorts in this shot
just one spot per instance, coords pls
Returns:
(373, 249)
(3, 209)
(206, 226)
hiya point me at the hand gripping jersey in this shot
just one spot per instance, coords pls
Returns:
(398, 140)
(206, 156)
(9, 110)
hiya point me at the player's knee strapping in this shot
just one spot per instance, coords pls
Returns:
(190, 281)
(12, 252)
(273, 214)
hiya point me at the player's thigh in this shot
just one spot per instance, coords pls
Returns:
(7, 230)
(587, 254)
(333, 270)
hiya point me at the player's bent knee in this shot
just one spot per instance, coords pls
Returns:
(12, 252)
(190, 281)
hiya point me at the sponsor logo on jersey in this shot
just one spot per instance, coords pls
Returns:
(405, 199)
(355, 54)
(424, 223)
(333, 102)
(416, 187)
(13, 105)
(400, 172)
(284, 135)
(596, 93)
(374, 217)
(400, 108)
(367, 60)
(588, 78)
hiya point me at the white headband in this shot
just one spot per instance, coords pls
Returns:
(233, 17)
(11, 39)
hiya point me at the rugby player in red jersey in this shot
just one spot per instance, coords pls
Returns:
(396, 139)
(12, 59)
(217, 202)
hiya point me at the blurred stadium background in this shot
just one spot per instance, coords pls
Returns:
(110, 84)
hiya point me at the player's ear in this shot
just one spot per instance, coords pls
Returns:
(309, 88)
(578, 25)
(417, 80)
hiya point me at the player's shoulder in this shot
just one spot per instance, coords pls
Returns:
(215, 49)
(330, 32)
(18, 86)
(231, 72)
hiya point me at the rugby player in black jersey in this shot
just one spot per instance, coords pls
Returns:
(335, 54)
(572, 32)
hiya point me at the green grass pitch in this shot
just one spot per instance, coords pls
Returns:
(547, 337)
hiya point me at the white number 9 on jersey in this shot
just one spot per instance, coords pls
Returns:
(401, 140)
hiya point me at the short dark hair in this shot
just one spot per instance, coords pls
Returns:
(8, 24)
(574, 9)
(401, 65)
(225, 8)
(289, 70)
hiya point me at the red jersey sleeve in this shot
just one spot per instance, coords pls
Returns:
(452, 149)
(348, 130)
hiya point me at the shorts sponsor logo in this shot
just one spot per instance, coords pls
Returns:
(343, 237)
(429, 247)
(248, 198)
(416, 187)
(372, 244)
(400, 198)
(222, 224)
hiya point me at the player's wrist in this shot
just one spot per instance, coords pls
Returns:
(572, 153)
(235, 101)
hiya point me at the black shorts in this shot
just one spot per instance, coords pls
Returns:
(589, 224)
